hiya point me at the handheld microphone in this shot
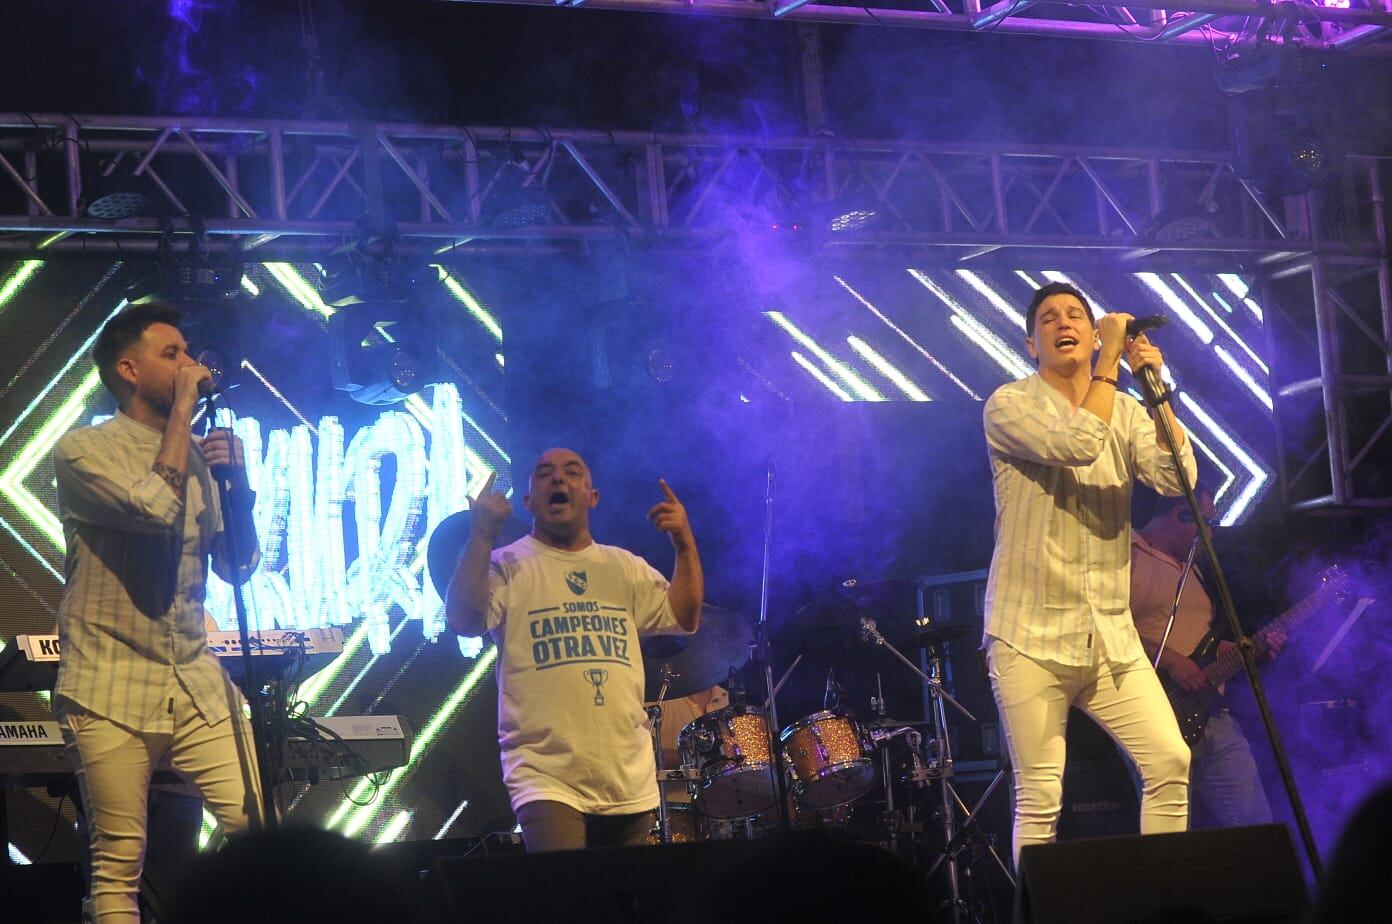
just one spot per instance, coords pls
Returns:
(206, 388)
(1137, 326)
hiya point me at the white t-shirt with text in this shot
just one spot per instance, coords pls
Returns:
(571, 723)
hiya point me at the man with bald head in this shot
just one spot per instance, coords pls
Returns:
(566, 614)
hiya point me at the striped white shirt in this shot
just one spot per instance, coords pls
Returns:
(131, 622)
(1059, 584)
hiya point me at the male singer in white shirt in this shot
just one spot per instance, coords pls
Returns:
(142, 519)
(1065, 450)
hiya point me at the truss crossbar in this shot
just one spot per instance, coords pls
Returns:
(289, 187)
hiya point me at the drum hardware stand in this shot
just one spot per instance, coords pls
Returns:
(664, 823)
(939, 765)
(890, 817)
(760, 656)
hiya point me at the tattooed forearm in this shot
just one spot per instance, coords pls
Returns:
(172, 477)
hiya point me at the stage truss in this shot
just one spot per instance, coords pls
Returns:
(259, 190)
(1333, 27)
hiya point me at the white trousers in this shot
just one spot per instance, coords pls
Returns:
(1127, 700)
(114, 765)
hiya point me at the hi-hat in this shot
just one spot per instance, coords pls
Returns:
(701, 660)
(449, 539)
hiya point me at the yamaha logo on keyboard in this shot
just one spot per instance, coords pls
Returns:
(29, 732)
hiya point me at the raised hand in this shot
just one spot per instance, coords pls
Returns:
(489, 510)
(669, 516)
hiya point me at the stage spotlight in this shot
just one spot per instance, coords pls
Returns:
(116, 192)
(1180, 225)
(378, 355)
(516, 199)
(856, 208)
(187, 275)
(852, 220)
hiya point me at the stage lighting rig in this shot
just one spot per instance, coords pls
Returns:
(115, 191)
(379, 355)
(385, 326)
(187, 275)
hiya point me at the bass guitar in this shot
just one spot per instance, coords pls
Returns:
(1193, 708)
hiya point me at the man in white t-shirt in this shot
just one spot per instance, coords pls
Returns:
(566, 614)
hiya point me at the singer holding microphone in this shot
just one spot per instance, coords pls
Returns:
(1065, 448)
(136, 683)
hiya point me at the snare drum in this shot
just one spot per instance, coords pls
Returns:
(731, 749)
(829, 759)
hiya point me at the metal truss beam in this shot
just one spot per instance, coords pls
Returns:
(1338, 30)
(270, 189)
(1334, 428)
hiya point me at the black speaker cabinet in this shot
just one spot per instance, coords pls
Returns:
(799, 876)
(1226, 874)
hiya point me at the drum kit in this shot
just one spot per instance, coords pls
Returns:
(860, 772)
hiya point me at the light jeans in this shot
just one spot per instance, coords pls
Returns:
(1226, 786)
(114, 765)
(1125, 699)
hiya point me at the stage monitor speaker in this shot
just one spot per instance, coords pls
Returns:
(798, 876)
(1225, 874)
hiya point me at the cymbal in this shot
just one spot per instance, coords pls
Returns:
(832, 621)
(891, 602)
(701, 660)
(925, 636)
(449, 539)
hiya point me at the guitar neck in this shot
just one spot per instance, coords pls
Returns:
(1228, 665)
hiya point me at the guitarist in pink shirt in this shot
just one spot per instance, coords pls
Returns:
(1224, 785)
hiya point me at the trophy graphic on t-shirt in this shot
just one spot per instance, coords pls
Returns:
(597, 676)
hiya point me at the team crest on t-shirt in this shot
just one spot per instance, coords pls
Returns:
(578, 581)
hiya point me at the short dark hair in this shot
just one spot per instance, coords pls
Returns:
(122, 332)
(1054, 288)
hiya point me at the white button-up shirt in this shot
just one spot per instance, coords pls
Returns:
(1059, 584)
(131, 623)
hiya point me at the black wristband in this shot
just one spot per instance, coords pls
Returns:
(1159, 400)
(1103, 378)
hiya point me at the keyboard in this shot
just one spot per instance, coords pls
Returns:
(32, 754)
(30, 663)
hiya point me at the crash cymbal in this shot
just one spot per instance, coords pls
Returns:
(448, 541)
(701, 660)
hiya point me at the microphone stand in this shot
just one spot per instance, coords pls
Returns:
(1157, 394)
(260, 743)
(761, 657)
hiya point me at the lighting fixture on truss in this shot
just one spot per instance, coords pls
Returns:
(117, 192)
